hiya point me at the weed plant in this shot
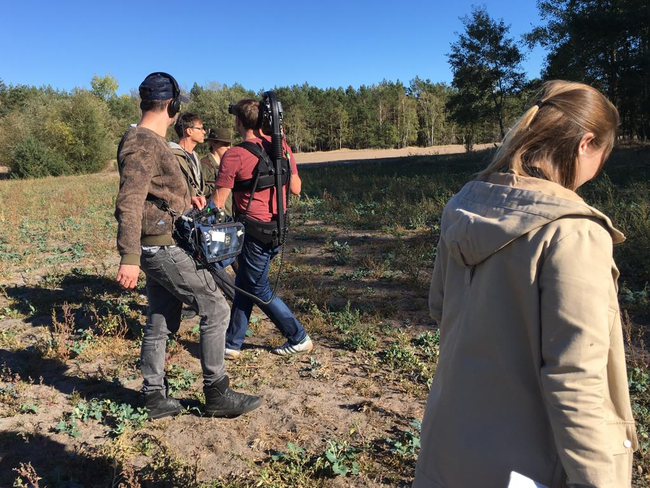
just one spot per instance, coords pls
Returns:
(179, 379)
(117, 416)
(338, 459)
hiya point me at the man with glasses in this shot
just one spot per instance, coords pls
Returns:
(190, 132)
(152, 195)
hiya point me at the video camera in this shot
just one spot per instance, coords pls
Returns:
(266, 106)
(266, 109)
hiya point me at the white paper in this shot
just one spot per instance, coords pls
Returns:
(518, 480)
(217, 236)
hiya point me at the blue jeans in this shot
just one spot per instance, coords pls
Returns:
(253, 276)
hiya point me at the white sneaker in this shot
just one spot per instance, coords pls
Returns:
(287, 349)
(232, 354)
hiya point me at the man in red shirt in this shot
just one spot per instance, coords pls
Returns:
(238, 164)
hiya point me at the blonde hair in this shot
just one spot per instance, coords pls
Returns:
(544, 142)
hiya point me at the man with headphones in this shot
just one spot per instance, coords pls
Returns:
(152, 194)
(259, 209)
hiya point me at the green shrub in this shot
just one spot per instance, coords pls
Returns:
(78, 130)
(33, 159)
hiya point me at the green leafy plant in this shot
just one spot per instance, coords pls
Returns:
(117, 416)
(342, 252)
(292, 465)
(9, 313)
(313, 370)
(639, 383)
(83, 339)
(428, 343)
(346, 319)
(355, 341)
(407, 443)
(28, 408)
(180, 379)
(400, 355)
(339, 459)
(68, 425)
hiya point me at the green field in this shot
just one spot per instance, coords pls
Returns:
(356, 272)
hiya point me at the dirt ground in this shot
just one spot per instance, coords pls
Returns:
(329, 394)
(334, 396)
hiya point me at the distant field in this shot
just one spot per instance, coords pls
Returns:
(356, 272)
(360, 154)
(369, 154)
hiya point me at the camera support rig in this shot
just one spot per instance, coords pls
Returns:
(272, 117)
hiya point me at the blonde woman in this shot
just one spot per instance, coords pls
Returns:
(531, 380)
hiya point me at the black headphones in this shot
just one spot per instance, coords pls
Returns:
(175, 105)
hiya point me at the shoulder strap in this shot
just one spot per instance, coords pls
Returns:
(162, 205)
(253, 148)
(261, 155)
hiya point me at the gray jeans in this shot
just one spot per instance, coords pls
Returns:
(172, 279)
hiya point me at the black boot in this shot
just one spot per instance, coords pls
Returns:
(221, 401)
(159, 405)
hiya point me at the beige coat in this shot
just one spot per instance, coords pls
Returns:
(531, 376)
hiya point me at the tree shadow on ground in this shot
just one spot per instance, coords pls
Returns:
(28, 363)
(51, 460)
(88, 294)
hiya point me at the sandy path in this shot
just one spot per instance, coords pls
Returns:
(346, 155)
(353, 155)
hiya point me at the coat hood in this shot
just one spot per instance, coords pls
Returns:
(485, 216)
(176, 149)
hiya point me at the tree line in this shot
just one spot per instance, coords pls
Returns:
(605, 43)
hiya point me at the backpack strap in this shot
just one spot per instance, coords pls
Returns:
(263, 168)
(253, 148)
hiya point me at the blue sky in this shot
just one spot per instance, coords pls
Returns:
(257, 44)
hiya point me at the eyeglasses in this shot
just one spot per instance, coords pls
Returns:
(197, 128)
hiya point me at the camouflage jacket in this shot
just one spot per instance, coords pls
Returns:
(148, 169)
